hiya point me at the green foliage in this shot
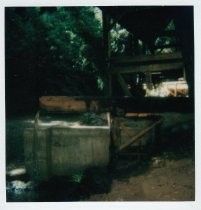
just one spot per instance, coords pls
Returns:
(52, 52)
(100, 83)
(91, 118)
(77, 178)
(119, 38)
(170, 26)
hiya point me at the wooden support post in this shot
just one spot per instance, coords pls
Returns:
(184, 73)
(148, 80)
(136, 46)
(130, 46)
(184, 22)
(175, 90)
(107, 54)
(149, 59)
(124, 86)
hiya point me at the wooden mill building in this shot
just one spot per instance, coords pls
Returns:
(145, 54)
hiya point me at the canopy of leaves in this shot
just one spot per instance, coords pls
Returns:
(51, 51)
(57, 51)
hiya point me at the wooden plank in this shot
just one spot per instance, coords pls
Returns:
(115, 132)
(139, 135)
(147, 58)
(124, 85)
(128, 104)
(52, 103)
(128, 132)
(139, 114)
(147, 68)
(68, 104)
(165, 46)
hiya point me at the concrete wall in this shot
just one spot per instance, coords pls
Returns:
(64, 150)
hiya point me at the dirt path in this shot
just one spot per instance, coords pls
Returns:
(174, 181)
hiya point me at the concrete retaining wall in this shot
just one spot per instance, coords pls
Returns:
(61, 150)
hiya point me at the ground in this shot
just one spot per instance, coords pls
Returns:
(173, 181)
(165, 175)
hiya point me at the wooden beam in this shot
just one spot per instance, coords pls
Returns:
(124, 86)
(148, 80)
(67, 104)
(165, 46)
(142, 59)
(129, 104)
(147, 68)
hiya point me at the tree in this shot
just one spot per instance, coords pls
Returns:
(55, 52)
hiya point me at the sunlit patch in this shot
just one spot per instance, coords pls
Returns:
(59, 123)
(17, 172)
(18, 186)
(170, 88)
(29, 121)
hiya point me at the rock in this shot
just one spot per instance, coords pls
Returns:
(18, 186)
(157, 162)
